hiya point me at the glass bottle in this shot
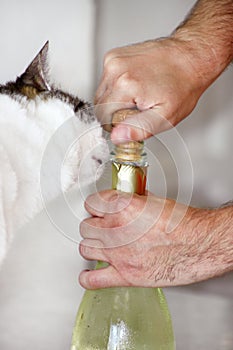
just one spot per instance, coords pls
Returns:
(125, 318)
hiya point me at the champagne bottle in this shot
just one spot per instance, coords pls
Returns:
(125, 318)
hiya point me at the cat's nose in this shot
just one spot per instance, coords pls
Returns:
(99, 161)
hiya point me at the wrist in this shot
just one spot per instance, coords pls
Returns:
(202, 57)
(194, 57)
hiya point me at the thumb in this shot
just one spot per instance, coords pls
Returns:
(140, 126)
(103, 278)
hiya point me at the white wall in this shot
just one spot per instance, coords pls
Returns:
(69, 26)
(39, 292)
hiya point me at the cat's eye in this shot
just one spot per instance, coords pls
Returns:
(99, 161)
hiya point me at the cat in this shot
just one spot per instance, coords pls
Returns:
(50, 141)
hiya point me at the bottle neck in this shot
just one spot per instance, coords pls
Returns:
(129, 167)
(130, 153)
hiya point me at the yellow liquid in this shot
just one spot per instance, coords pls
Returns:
(126, 318)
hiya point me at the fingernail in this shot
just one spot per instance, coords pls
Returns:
(121, 134)
(82, 279)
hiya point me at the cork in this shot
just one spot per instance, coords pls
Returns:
(120, 115)
(131, 150)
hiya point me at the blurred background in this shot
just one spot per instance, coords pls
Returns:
(39, 292)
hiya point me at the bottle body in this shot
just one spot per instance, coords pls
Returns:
(123, 319)
(126, 318)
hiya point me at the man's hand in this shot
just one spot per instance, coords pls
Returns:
(130, 232)
(164, 78)
(158, 77)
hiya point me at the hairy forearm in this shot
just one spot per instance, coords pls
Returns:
(208, 251)
(208, 33)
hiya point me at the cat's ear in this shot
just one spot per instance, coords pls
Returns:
(35, 75)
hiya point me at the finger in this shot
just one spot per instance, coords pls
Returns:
(92, 249)
(113, 71)
(115, 96)
(88, 228)
(110, 237)
(140, 126)
(107, 202)
(102, 278)
(95, 228)
(105, 110)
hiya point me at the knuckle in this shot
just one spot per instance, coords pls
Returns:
(125, 81)
(122, 203)
(109, 55)
(115, 63)
(84, 227)
(83, 250)
(113, 200)
(113, 66)
(87, 248)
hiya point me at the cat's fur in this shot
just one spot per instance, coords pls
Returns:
(50, 140)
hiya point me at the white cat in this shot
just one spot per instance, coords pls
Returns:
(49, 141)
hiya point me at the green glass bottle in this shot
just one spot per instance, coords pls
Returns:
(126, 318)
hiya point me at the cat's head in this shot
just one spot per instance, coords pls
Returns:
(69, 124)
(35, 82)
